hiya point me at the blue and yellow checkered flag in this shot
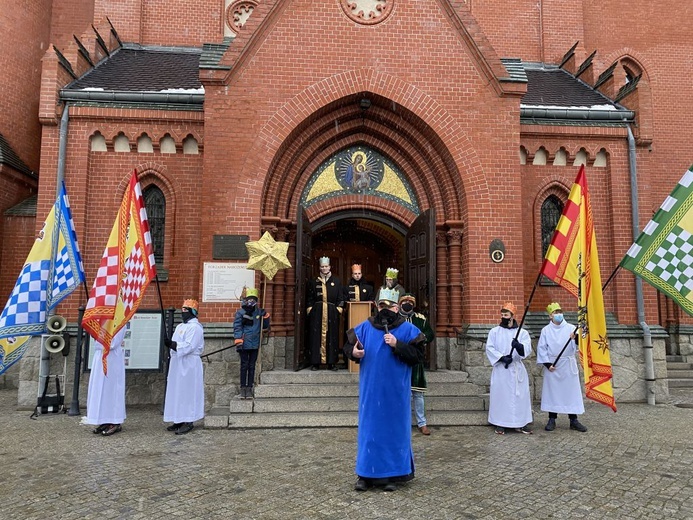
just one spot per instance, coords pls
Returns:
(663, 253)
(51, 272)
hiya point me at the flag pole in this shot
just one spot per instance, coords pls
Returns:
(519, 328)
(79, 342)
(164, 335)
(611, 277)
(262, 319)
(74, 404)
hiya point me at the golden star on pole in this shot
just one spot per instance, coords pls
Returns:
(267, 255)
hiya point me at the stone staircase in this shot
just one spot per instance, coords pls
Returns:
(680, 374)
(326, 399)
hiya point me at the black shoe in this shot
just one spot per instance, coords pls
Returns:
(112, 428)
(185, 428)
(361, 485)
(500, 430)
(100, 428)
(576, 425)
(333, 368)
(390, 486)
(174, 427)
(551, 425)
(524, 430)
(314, 368)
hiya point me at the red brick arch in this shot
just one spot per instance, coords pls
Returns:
(404, 124)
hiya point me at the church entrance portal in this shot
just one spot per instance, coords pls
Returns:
(376, 242)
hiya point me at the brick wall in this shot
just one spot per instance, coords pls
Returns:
(164, 22)
(95, 196)
(69, 19)
(24, 40)
(289, 102)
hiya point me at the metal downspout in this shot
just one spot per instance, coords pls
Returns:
(62, 149)
(646, 333)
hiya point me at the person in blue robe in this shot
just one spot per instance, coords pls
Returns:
(386, 347)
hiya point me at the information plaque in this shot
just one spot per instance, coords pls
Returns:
(142, 342)
(224, 282)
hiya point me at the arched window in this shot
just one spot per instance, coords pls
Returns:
(155, 202)
(551, 210)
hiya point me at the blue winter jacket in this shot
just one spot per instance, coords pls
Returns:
(246, 327)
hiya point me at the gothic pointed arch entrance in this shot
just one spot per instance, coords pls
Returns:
(367, 171)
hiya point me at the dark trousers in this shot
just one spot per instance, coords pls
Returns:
(248, 359)
(554, 415)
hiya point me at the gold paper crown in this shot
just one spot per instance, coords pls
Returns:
(355, 266)
(509, 306)
(391, 273)
(407, 296)
(389, 296)
(252, 293)
(551, 307)
(191, 304)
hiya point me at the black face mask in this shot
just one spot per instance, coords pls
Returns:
(386, 316)
(505, 322)
(407, 308)
(187, 316)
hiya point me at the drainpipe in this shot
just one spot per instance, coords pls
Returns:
(646, 333)
(62, 149)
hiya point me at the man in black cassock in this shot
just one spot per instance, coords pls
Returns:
(357, 290)
(325, 302)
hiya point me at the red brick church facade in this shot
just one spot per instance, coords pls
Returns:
(230, 111)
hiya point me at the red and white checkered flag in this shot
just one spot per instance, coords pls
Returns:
(127, 267)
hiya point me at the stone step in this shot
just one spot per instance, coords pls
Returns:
(331, 420)
(679, 359)
(671, 365)
(345, 404)
(308, 376)
(680, 374)
(351, 388)
(680, 383)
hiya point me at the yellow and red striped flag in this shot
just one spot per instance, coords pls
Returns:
(572, 262)
(127, 267)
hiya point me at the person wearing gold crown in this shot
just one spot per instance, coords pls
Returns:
(357, 288)
(560, 391)
(510, 403)
(248, 323)
(185, 392)
(325, 304)
(392, 281)
(386, 346)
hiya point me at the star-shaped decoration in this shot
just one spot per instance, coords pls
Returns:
(602, 343)
(268, 255)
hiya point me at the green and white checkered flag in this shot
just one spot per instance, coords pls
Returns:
(663, 253)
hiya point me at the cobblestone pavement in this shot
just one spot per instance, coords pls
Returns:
(635, 463)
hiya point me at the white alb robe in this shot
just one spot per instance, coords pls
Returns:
(510, 403)
(106, 392)
(185, 393)
(561, 391)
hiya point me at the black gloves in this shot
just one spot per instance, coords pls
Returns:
(519, 347)
(506, 360)
(167, 342)
(171, 344)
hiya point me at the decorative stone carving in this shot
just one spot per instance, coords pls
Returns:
(237, 14)
(367, 12)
